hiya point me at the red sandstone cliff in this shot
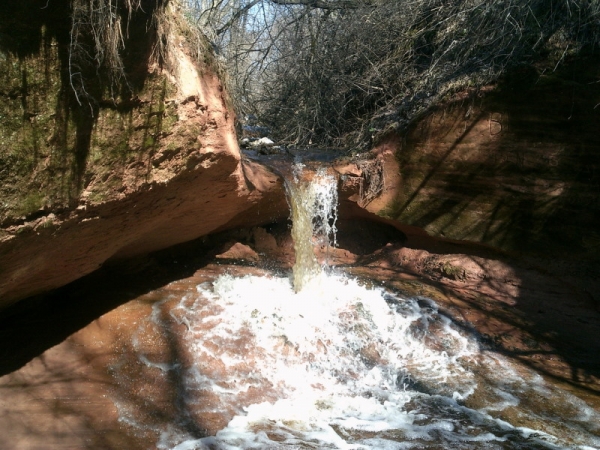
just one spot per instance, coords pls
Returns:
(180, 176)
(515, 167)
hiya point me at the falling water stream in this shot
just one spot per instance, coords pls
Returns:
(319, 360)
(313, 206)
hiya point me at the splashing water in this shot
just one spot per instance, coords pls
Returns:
(326, 362)
(339, 365)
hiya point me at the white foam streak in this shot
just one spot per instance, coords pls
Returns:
(338, 365)
(335, 353)
(328, 363)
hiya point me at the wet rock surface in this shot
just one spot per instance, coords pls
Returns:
(59, 353)
(59, 349)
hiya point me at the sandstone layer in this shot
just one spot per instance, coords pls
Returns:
(515, 167)
(161, 170)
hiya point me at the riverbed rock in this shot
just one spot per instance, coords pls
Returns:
(237, 250)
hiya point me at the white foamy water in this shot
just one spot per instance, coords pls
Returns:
(342, 366)
(320, 361)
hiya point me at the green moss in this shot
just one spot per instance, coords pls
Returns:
(452, 271)
(171, 118)
(33, 202)
(392, 210)
(53, 146)
(149, 141)
(24, 229)
(48, 224)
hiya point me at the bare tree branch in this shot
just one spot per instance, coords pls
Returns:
(322, 4)
(315, 73)
(237, 15)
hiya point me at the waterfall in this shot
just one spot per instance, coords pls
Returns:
(313, 205)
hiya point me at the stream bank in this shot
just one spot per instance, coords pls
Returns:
(60, 354)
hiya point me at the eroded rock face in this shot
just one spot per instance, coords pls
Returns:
(516, 167)
(196, 203)
(186, 179)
